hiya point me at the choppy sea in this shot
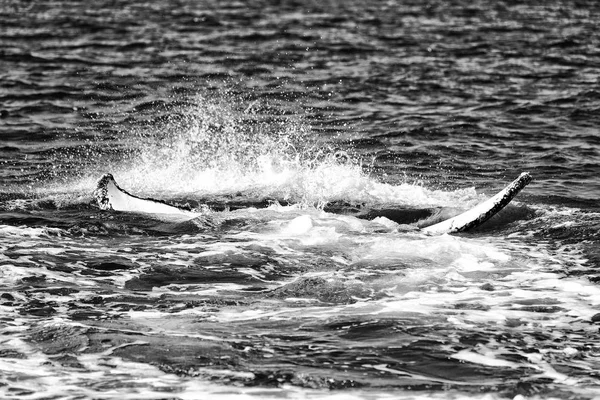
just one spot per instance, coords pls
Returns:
(316, 138)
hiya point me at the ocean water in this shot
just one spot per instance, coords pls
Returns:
(316, 138)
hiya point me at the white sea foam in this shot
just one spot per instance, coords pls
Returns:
(438, 279)
(457, 285)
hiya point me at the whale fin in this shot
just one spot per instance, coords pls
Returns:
(109, 196)
(481, 212)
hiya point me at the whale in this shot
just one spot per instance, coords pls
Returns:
(110, 197)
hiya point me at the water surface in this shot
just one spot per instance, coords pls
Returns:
(315, 138)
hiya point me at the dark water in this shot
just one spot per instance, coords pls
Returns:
(315, 137)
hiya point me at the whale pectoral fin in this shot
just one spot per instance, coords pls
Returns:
(481, 212)
(109, 196)
(101, 194)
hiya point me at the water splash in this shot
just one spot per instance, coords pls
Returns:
(208, 148)
(225, 146)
